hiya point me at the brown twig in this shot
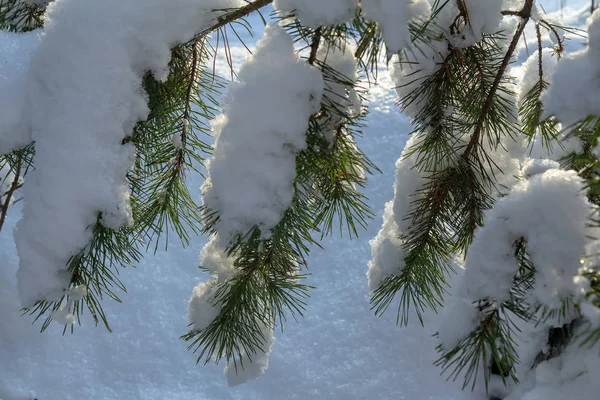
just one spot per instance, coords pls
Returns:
(559, 40)
(538, 33)
(314, 46)
(235, 15)
(13, 187)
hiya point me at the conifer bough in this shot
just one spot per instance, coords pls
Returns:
(498, 183)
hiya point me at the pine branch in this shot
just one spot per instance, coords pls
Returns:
(234, 16)
(96, 270)
(489, 346)
(525, 15)
(17, 16)
(314, 46)
(450, 205)
(168, 145)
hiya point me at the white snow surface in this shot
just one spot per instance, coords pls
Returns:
(83, 97)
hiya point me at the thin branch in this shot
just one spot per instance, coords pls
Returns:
(235, 15)
(314, 46)
(525, 14)
(559, 40)
(540, 56)
(15, 185)
(513, 13)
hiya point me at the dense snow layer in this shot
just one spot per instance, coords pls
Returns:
(16, 50)
(576, 83)
(314, 13)
(262, 128)
(386, 247)
(83, 97)
(550, 211)
(393, 16)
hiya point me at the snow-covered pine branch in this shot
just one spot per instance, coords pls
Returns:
(103, 112)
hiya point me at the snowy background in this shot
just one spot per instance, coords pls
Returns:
(339, 351)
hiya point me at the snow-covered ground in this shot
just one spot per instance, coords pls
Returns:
(339, 351)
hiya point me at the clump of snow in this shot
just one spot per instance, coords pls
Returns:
(393, 17)
(484, 16)
(387, 247)
(252, 172)
(339, 95)
(534, 166)
(386, 250)
(549, 210)
(573, 374)
(84, 95)
(78, 292)
(315, 13)
(204, 308)
(341, 92)
(16, 51)
(573, 94)
(253, 365)
(531, 75)
(409, 74)
(202, 305)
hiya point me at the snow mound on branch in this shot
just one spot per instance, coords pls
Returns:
(549, 211)
(262, 128)
(387, 247)
(573, 94)
(531, 75)
(85, 95)
(484, 16)
(16, 50)
(339, 94)
(256, 364)
(393, 17)
(315, 13)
